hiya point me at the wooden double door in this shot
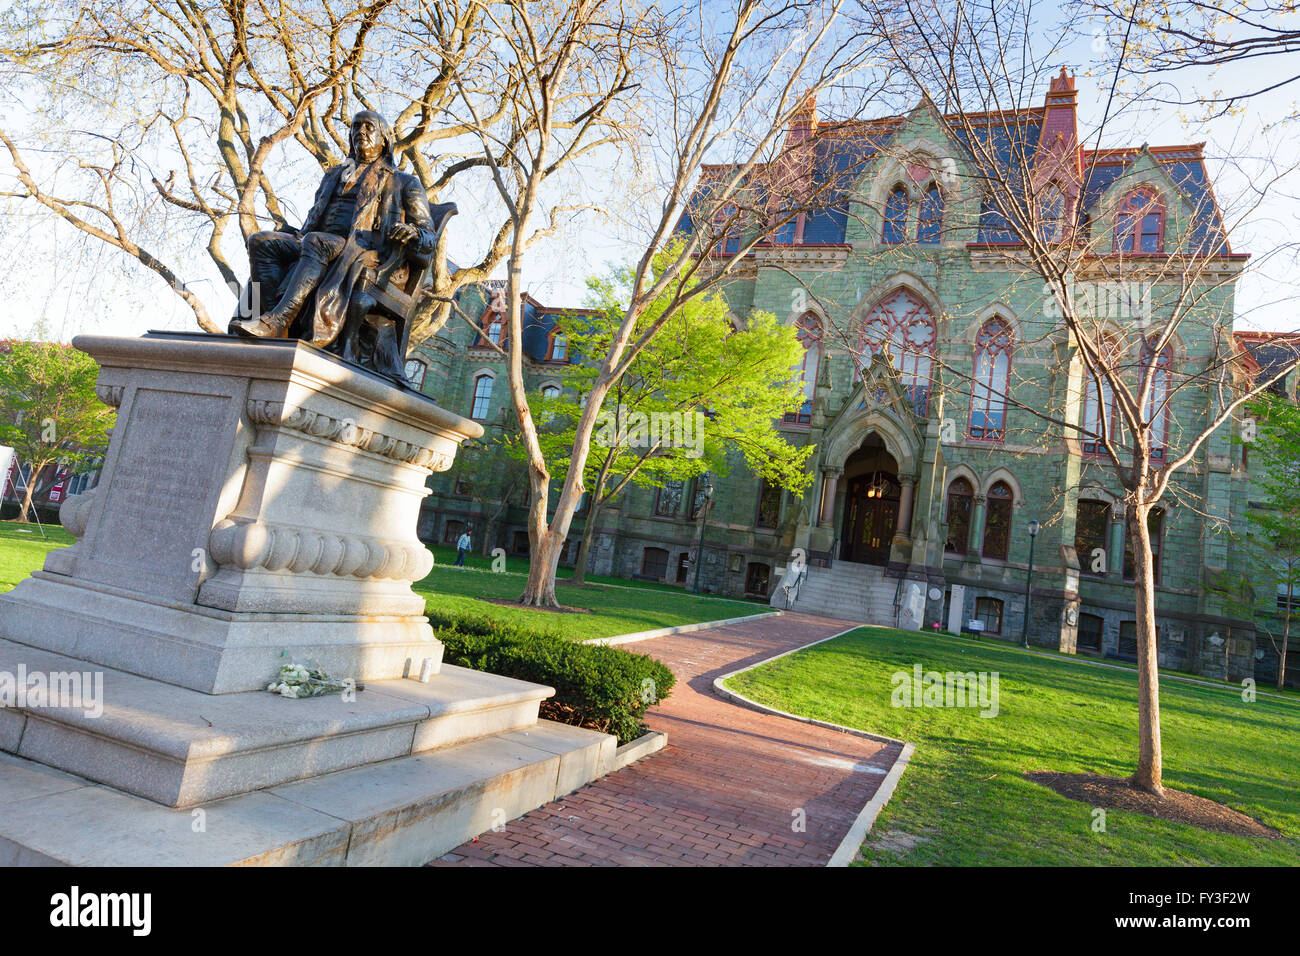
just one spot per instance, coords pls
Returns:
(870, 517)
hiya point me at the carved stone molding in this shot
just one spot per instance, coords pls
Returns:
(345, 432)
(75, 512)
(248, 545)
(799, 258)
(111, 394)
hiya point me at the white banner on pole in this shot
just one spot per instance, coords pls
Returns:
(6, 462)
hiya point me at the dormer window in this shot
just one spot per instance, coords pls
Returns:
(1051, 214)
(726, 225)
(895, 228)
(1140, 223)
(494, 329)
(560, 348)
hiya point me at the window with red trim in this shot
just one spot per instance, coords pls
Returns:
(810, 337)
(903, 321)
(1140, 223)
(988, 405)
(482, 397)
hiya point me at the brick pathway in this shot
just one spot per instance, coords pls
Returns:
(723, 791)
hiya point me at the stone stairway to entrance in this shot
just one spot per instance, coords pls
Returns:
(853, 592)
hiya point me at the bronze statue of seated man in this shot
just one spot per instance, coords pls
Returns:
(370, 228)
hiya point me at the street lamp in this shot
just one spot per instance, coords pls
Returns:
(1029, 579)
(704, 526)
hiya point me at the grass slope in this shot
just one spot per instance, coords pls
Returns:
(23, 550)
(963, 799)
(612, 610)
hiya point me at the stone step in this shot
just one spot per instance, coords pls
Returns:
(181, 747)
(401, 812)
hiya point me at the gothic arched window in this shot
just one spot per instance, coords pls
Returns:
(482, 397)
(961, 498)
(1100, 414)
(895, 229)
(1157, 411)
(988, 400)
(929, 224)
(997, 522)
(810, 337)
(903, 322)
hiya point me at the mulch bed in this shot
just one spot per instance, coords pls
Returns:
(550, 610)
(1114, 793)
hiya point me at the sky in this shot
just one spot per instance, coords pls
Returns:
(50, 273)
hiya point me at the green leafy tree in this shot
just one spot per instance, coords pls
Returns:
(700, 392)
(48, 408)
(1272, 548)
(493, 472)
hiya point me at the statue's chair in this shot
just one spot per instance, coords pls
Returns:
(377, 328)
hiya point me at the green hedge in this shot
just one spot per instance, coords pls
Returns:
(604, 688)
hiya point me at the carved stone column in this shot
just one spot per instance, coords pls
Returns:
(974, 545)
(905, 504)
(1114, 542)
(830, 480)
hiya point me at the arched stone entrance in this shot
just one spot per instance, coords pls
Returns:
(872, 502)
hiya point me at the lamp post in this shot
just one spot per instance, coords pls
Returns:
(704, 526)
(1029, 580)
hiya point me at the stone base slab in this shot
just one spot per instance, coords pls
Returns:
(180, 747)
(216, 652)
(402, 812)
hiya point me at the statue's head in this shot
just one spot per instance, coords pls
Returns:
(370, 137)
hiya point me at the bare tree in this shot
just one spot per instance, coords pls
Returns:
(721, 90)
(163, 129)
(979, 62)
(1159, 38)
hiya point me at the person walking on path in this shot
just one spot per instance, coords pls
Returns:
(462, 548)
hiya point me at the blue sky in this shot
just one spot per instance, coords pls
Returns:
(45, 266)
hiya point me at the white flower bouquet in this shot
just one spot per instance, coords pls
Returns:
(298, 681)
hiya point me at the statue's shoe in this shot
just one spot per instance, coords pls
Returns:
(255, 329)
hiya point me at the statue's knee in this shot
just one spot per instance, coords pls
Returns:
(256, 240)
(321, 246)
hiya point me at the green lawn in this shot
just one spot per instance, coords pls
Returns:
(613, 610)
(23, 550)
(963, 799)
(446, 555)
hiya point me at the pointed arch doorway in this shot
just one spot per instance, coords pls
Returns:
(872, 498)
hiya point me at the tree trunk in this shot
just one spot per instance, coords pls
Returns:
(543, 557)
(584, 549)
(30, 491)
(1148, 775)
(1286, 636)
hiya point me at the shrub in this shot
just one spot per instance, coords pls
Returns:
(603, 688)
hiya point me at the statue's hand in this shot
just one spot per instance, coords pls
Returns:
(403, 232)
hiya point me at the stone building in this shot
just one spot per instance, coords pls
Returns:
(928, 358)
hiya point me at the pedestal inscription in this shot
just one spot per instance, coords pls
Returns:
(153, 512)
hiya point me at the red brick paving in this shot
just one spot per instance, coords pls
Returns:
(724, 790)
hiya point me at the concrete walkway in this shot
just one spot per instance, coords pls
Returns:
(731, 787)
